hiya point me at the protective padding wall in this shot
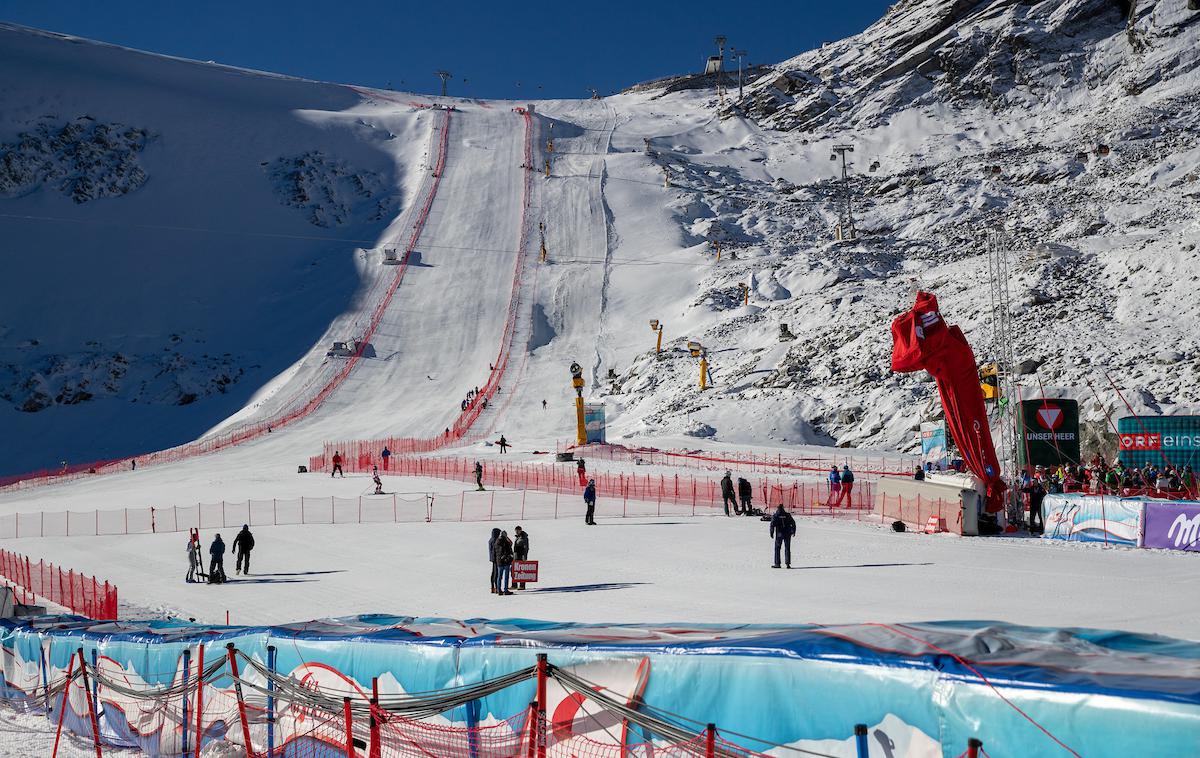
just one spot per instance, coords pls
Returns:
(923, 689)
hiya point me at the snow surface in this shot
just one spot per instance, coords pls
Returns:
(208, 294)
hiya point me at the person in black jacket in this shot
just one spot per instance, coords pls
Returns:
(783, 528)
(216, 566)
(520, 551)
(727, 495)
(589, 499)
(243, 543)
(746, 495)
(504, 558)
(492, 558)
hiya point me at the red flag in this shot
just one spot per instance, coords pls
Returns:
(921, 340)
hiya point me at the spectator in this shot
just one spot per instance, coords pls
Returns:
(492, 558)
(503, 443)
(847, 490)
(835, 485)
(581, 471)
(216, 567)
(385, 455)
(520, 551)
(745, 494)
(919, 474)
(1035, 495)
(589, 499)
(337, 466)
(504, 557)
(727, 495)
(479, 475)
(243, 543)
(783, 528)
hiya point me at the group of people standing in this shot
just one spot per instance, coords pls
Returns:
(502, 551)
(841, 487)
(243, 543)
(745, 492)
(471, 398)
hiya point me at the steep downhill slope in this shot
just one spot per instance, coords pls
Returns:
(176, 234)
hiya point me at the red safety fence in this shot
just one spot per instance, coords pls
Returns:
(808, 498)
(84, 595)
(306, 399)
(861, 464)
(916, 511)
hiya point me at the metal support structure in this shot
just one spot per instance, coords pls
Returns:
(445, 77)
(91, 705)
(349, 719)
(710, 741)
(199, 697)
(1007, 413)
(271, 702)
(846, 228)
(62, 709)
(720, 42)
(739, 54)
(183, 711)
(860, 740)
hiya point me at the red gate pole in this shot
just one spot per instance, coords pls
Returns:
(710, 741)
(376, 749)
(543, 667)
(532, 730)
(199, 697)
(349, 727)
(241, 701)
(87, 692)
(62, 709)
(973, 747)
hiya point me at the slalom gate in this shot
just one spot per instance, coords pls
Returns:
(386, 686)
(67, 588)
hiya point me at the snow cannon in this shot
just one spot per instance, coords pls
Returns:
(578, 383)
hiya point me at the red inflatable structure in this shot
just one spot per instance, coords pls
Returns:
(922, 340)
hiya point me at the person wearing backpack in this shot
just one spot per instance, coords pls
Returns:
(746, 495)
(847, 489)
(783, 528)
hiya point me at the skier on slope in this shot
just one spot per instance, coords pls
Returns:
(479, 475)
(243, 543)
(727, 495)
(337, 466)
(377, 480)
(745, 494)
(216, 567)
(193, 560)
(589, 499)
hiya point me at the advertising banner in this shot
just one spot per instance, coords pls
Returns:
(1049, 431)
(525, 571)
(933, 440)
(1159, 440)
(593, 421)
(1173, 526)
(1090, 518)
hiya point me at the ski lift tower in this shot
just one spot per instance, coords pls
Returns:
(846, 212)
(739, 54)
(1001, 349)
(720, 40)
(445, 77)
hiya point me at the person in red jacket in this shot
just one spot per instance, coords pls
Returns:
(337, 466)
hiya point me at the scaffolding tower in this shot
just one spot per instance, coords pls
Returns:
(1007, 410)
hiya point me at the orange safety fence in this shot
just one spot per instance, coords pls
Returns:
(80, 594)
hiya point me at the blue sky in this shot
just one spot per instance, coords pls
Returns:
(501, 49)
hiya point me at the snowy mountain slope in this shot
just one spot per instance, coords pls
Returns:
(142, 316)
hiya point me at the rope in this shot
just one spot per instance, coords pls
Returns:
(982, 678)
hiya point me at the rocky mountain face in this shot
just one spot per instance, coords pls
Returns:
(1071, 127)
(82, 159)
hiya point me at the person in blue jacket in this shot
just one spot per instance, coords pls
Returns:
(835, 485)
(589, 498)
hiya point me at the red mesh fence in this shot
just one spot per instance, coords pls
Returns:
(81, 594)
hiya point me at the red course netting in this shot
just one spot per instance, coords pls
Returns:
(81, 594)
(756, 462)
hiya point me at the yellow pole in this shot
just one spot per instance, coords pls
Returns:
(580, 426)
(547, 168)
(703, 374)
(658, 347)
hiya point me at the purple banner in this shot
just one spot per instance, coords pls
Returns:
(1174, 526)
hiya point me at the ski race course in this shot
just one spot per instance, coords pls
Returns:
(364, 626)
